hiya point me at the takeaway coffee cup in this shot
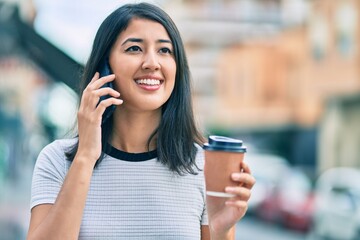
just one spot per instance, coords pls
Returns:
(223, 156)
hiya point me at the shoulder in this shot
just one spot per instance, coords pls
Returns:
(53, 154)
(58, 147)
(50, 171)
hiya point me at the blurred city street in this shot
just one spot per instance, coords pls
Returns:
(281, 75)
(14, 205)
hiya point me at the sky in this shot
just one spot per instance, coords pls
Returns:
(71, 25)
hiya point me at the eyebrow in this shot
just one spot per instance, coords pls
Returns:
(141, 40)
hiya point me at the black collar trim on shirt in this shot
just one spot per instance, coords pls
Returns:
(131, 157)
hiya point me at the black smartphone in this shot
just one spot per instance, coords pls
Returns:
(105, 70)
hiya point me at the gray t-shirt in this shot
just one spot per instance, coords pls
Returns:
(131, 196)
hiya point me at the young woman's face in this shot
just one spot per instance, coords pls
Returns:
(144, 65)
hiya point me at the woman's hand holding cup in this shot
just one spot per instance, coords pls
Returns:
(228, 185)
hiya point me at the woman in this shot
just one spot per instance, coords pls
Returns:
(134, 172)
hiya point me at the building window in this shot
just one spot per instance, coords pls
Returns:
(319, 37)
(346, 25)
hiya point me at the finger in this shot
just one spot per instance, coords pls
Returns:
(245, 167)
(241, 193)
(91, 98)
(245, 179)
(106, 91)
(243, 205)
(101, 81)
(102, 92)
(95, 77)
(107, 103)
(86, 101)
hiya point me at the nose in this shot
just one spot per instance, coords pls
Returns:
(151, 61)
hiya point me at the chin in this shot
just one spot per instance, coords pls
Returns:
(151, 104)
(147, 106)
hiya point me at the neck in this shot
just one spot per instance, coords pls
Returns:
(132, 130)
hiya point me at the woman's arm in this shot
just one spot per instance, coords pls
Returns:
(225, 213)
(205, 232)
(62, 219)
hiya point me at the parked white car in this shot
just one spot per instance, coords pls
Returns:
(268, 170)
(337, 205)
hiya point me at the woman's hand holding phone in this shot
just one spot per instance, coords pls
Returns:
(90, 115)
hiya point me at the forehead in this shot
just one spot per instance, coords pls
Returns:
(145, 29)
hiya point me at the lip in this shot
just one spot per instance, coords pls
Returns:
(150, 77)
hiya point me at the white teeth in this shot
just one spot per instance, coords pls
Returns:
(148, 81)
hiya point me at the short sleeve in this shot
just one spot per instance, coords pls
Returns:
(48, 175)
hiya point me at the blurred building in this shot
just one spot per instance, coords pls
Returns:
(339, 137)
(339, 132)
(32, 96)
(270, 65)
(209, 29)
(29, 67)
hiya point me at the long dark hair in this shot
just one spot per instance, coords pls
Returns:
(177, 132)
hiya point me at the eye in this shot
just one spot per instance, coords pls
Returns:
(165, 50)
(133, 49)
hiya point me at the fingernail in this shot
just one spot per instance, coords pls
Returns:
(235, 176)
(229, 189)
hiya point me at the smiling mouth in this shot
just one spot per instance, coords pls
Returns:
(149, 82)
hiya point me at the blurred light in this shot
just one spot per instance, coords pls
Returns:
(62, 107)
